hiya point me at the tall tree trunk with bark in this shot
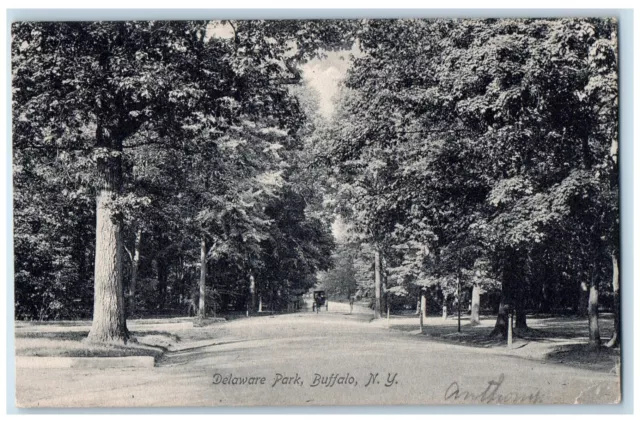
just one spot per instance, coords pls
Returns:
(615, 282)
(377, 286)
(109, 321)
(135, 262)
(506, 300)
(594, 327)
(520, 291)
(475, 305)
(521, 318)
(502, 321)
(592, 306)
(616, 338)
(202, 305)
(520, 310)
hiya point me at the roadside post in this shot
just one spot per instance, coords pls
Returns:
(510, 330)
(458, 298)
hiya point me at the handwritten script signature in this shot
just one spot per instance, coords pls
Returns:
(491, 394)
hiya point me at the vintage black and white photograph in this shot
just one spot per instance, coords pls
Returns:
(316, 212)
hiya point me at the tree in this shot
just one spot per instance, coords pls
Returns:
(478, 127)
(103, 82)
(118, 86)
(340, 280)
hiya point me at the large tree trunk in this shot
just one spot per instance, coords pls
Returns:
(594, 327)
(520, 292)
(109, 324)
(521, 319)
(475, 305)
(502, 322)
(202, 305)
(377, 286)
(506, 299)
(520, 312)
(135, 261)
(615, 282)
(109, 321)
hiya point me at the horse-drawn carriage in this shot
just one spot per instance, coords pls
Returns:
(319, 300)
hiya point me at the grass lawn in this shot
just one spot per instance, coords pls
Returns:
(66, 339)
(554, 339)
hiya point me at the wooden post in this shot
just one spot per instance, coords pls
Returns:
(510, 330)
(458, 299)
(423, 306)
(203, 278)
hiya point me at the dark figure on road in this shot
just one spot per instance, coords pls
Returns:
(351, 304)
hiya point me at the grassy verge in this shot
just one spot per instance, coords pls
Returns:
(554, 339)
(60, 343)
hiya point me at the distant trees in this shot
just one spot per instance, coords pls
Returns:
(340, 281)
(486, 141)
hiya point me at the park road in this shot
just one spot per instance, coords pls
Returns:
(329, 358)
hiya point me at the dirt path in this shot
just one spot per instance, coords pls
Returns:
(318, 359)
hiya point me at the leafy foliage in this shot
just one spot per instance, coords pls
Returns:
(196, 135)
